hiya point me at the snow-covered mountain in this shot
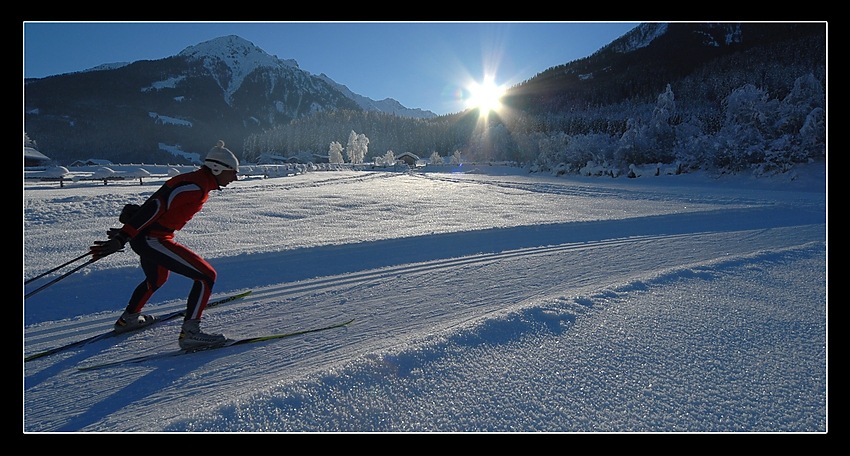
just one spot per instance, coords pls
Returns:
(242, 58)
(387, 105)
(231, 60)
(222, 88)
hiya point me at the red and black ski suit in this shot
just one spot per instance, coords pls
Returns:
(151, 233)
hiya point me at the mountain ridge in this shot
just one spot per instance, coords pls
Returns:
(228, 88)
(210, 50)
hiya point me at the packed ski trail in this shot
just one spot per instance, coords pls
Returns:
(488, 280)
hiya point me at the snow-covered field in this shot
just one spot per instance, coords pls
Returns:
(485, 301)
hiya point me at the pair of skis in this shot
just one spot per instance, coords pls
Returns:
(112, 333)
(171, 316)
(228, 343)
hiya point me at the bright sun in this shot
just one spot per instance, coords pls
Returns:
(486, 96)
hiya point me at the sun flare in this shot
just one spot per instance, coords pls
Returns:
(486, 96)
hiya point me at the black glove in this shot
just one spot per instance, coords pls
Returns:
(115, 243)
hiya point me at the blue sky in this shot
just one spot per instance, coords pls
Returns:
(423, 65)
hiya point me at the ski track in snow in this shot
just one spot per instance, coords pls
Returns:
(415, 299)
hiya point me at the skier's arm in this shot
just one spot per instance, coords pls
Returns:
(133, 223)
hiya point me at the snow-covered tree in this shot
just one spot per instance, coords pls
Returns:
(552, 150)
(663, 117)
(335, 153)
(389, 157)
(692, 146)
(813, 134)
(596, 147)
(802, 114)
(363, 145)
(806, 96)
(435, 158)
(650, 140)
(742, 136)
(350, 148)
(358, 147)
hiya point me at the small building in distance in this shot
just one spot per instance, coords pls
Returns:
(33, 158)
(91, 162)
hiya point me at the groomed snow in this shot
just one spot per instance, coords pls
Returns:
(491, 300)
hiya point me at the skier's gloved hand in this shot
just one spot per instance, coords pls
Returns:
(112, 232)
(101, 249)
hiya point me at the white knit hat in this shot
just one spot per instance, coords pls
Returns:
(220, 158)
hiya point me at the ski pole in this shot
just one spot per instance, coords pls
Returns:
(57, 268)
(60, 278)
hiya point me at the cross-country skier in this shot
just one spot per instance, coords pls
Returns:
(150, 232)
